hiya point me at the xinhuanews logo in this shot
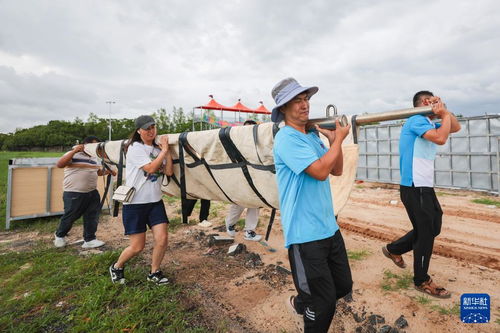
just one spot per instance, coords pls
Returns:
(475, 308)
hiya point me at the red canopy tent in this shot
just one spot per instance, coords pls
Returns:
(238, 107)
(241, 108)
(262, 108)
(213, 105)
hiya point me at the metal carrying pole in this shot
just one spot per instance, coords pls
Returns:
(392, 115)
(385, 116)
(329, 121)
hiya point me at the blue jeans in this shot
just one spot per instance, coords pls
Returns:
(76, 205)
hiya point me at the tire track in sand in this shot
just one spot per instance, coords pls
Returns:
(443, 247)
(450, 211)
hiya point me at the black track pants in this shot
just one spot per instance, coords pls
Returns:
(204, 209)
(425, 215)
(321, 275)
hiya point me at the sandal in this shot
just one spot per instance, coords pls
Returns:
(432, 289)
(396, 258)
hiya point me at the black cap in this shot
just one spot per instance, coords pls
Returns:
(144, 122)
(250, 122)
(91, 139)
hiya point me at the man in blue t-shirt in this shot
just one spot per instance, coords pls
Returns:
(417, 149)
(316, 250)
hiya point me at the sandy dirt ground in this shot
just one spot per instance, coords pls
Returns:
(247, 292)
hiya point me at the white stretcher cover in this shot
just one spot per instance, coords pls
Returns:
(233, 164)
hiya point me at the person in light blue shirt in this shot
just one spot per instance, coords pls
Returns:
(417, 149)
(417, 156)
(316, 249)
(302, 197)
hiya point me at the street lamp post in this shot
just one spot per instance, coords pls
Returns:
(109, 103)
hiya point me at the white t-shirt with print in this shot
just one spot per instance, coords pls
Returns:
(138, 155)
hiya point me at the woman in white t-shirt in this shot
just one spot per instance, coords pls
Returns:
(146, 163)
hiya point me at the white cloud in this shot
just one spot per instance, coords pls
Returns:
(365, 56)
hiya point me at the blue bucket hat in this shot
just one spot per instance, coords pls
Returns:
(284, 91)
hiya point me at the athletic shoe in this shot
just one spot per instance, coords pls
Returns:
(231, 231)
(92, 244)
(298, 319)
(252, 236)
(117, 274)
(59, 241)
(158, 278)
(205, 224)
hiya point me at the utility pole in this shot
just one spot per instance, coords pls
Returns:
(109, 103)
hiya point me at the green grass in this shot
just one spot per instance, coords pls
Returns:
(215, 208)
(175, 223)
(45, 225)
(485, 201)
(240, 224)
(424, 300)
(394, 282)
(170, 199)
(358, 255)
(57, 290)
(5, 156)
(444, 310)
(214, 212)
(450, 310)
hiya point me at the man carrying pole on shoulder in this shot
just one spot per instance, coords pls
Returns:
(80, 195)
(316, 249)
(417, 149)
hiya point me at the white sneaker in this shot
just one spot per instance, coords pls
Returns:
(92, 244)
(59, 241)
(252, 236)
(205, 224)
(231, 231)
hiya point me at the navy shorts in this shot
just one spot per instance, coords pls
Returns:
(137, 216)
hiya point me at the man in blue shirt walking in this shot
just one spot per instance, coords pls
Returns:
(316, 249)
(417, 149)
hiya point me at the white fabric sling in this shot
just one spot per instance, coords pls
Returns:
(235, 165)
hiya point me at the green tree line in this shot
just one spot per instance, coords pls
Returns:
(59, 133)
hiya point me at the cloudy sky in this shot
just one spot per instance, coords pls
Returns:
(63, 59)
